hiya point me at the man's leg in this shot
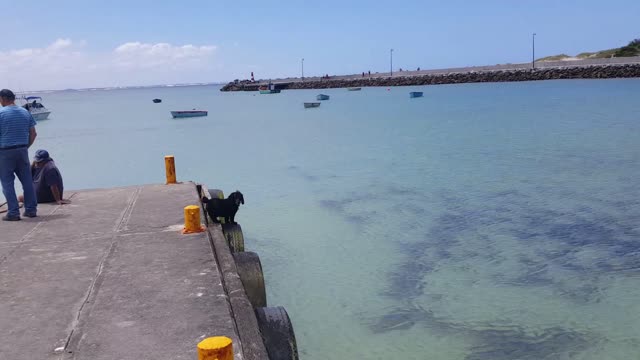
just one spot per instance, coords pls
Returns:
(23, 170)
(7, 166)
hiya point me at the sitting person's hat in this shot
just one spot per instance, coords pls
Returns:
(41, 155)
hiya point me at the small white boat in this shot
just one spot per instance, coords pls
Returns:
(354, 89)
(311, 105)
(34, 105)
(189, 113)
(322, 97)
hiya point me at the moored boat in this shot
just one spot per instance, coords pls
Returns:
(155, 101)
(269, 89)
(34, 105)
(189, 113)
(415, 94)
(311, 105)
(322, 97)
(354, 89)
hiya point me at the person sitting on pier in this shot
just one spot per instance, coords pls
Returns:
(47, 180)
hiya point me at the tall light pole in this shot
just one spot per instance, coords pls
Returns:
(391, 62)
(302, 68)
(533, 51)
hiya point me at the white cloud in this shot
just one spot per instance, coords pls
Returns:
(60, 44)
(141, 55)
(24, 63)
(66, 64)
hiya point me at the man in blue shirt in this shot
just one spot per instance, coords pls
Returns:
(17, 134)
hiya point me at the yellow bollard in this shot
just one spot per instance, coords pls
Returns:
(170, 167)
(215, 348)
(192, 220)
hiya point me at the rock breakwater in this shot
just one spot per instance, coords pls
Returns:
(586, 72)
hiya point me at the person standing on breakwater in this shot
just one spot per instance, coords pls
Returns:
(17, 134)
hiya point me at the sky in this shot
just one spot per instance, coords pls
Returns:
(81, 44)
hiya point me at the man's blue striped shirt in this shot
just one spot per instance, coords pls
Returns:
(15, 123)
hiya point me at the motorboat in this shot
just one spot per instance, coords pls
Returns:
(272, 91)
(269, 89)
(34, 105)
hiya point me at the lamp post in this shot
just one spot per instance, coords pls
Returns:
(302, 68)
(391, 62)
(533, 51)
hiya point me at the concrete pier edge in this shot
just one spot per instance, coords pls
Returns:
(244, 316)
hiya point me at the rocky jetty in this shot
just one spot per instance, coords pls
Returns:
(582, 72)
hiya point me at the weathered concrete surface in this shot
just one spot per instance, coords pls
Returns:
(12, 236)
(110, 276)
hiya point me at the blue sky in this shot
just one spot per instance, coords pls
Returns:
(62, 44)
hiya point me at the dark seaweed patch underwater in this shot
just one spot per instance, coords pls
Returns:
(552, 244)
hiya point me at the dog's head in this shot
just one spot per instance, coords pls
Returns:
(237, 197)
(205, 200)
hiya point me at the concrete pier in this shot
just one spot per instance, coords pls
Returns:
(111, 276)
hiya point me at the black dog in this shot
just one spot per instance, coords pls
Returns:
(224, 208)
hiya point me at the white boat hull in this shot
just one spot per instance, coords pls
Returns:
(42, 115)
(187, 114)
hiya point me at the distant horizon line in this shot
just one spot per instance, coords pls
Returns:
(103, 88)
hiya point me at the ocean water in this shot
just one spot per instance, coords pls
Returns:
(483, 221)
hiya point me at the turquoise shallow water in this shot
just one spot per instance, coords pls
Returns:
(483, 221)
